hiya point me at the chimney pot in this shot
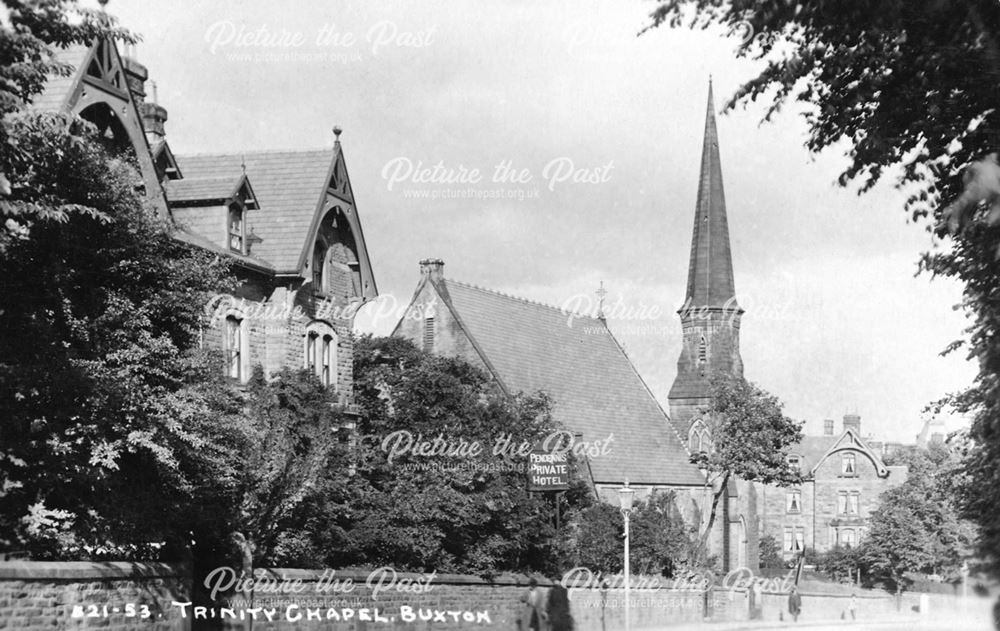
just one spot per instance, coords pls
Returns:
(434, 268)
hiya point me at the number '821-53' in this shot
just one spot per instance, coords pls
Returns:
(129, 610)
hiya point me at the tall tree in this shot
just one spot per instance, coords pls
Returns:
(420, 508)
(294, 433)
(110, 410)
(30, 34)
(911, 89)
(750, 439)
(916, 527)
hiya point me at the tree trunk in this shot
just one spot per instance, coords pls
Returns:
(702, 551)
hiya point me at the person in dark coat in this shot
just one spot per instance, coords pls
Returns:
(560, 618)
(794, 603)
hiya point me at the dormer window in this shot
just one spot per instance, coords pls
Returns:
(237, 235)
(795, 463)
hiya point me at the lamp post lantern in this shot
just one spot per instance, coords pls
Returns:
(625, 497)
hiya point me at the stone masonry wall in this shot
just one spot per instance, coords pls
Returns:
(353, 601)
(85, 595)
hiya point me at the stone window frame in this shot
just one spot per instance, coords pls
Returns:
(699, 437)
(794, 540)
(842, 536)
(793, 501)
(849, 464)
(320, 352)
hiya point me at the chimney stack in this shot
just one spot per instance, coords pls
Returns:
(153, 117)
(135, 77)
(434, 268)
(153, 114)
(828, 427)
(853, 421)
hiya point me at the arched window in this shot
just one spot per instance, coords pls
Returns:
(321, 352)
(234, 344)
(336, 270)
(699, 438)
(318, 266)
(702, 350)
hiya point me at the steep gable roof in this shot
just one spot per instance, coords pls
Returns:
(814, 450)
(290, 186)
(57, 91)
(594, 387)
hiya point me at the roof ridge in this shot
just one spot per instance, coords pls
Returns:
(561, 310)
(237, 153)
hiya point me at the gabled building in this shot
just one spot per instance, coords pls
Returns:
(843, 477)
(596, 392)
(287, 220)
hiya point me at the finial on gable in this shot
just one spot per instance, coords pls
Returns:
(601, 293)
(336, 132)
(243, 162)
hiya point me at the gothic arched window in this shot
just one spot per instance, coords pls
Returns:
(699, 438)
(702, 350)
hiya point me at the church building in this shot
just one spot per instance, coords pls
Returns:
(596, 392)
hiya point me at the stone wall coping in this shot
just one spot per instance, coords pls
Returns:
(359, 576)
(83, 570)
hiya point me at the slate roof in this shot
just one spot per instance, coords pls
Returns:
(289, 186)
(595, 388)
(812, 449)
(57, 89)
(710, 270)
(202, 189)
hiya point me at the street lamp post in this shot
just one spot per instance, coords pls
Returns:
(625, 496)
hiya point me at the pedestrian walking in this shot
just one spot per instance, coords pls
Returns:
(532, 608)
(794, 604)
(756, 602)
(852, 606)
(557, 610)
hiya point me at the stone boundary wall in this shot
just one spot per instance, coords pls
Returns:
(446, 602)
(82, 595)
(86, 595)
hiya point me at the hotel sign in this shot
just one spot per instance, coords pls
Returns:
(548, 471)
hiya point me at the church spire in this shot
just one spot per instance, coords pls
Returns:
(710, 272)
(710, 317)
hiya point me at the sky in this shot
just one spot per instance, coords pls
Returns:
(541, 149)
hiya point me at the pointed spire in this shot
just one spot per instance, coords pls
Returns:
(601, 293)
(710, 274)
